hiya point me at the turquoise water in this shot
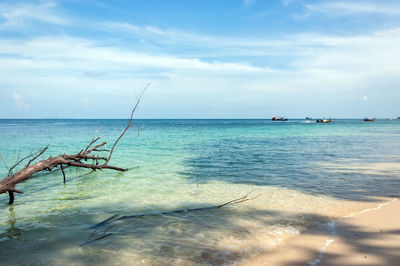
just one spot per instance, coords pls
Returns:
(306, 172)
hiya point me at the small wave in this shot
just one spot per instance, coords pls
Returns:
(331, 227)
(372, 209)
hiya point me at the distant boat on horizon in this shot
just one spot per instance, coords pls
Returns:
(369, 119)
(308, 118)
(324, 120)
(276, 118)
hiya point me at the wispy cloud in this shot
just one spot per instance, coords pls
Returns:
(160, 35)
(82, 53)
(20, 15)
(342, 8)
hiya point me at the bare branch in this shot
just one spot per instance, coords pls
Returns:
(62, 170)
(91, 143)
(92, 157)
(18, 162)
(37, 156)
(100, 150)
(95, 147)
(96, 167)
(16, 191)
(129, 122)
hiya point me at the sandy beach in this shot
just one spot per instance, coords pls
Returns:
(368, 237)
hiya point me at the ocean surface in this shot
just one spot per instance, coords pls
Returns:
(305, 174)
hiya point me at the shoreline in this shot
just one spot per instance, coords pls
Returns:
(367, 237)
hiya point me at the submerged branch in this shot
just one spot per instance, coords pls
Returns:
(116, 217)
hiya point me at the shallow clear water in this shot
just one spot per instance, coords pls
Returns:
(305, 172)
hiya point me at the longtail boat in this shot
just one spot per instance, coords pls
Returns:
(276, 118)
(324, 120)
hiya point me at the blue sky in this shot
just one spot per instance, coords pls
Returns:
(203, 59)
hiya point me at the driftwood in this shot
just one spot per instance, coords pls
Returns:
(116, 217)
(94, 152)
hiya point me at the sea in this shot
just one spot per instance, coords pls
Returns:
(296, 174)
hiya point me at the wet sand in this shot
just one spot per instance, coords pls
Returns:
(368, 237)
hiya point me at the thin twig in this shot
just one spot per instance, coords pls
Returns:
(34, 158)
(18, 162)
(90, 144)
(129, 123)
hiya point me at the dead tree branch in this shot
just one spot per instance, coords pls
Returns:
(75, 160)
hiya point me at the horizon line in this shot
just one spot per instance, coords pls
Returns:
(251, 118)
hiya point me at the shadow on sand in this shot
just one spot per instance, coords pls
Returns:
(207, 237)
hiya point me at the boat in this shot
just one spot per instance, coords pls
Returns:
(308, 118)
(276, 118)
(369, 119)
(324, 120)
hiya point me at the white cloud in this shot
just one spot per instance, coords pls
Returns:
(313, 62)
(364, 98)
(157, 34)
(355, 7)
(19, 102)
(305, 45)
(86, 55)
(20, 15)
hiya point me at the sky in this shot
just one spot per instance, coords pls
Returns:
(203, 58)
